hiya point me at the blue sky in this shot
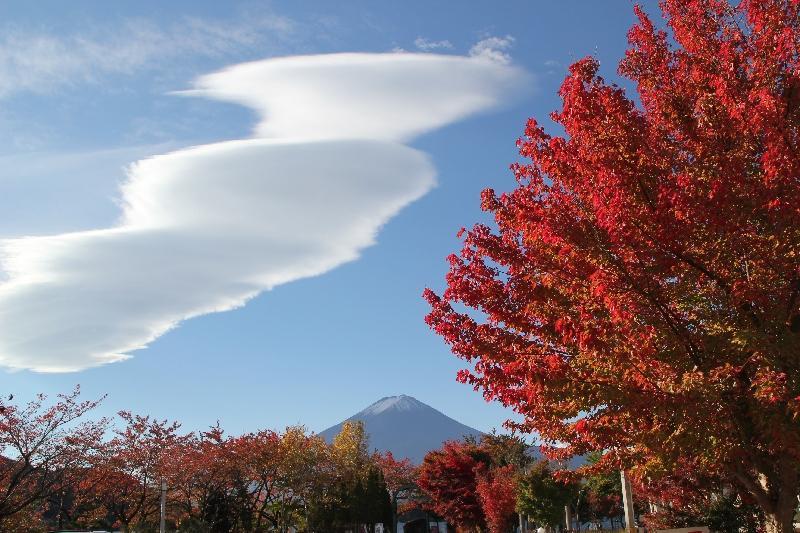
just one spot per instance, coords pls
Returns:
(88, 89)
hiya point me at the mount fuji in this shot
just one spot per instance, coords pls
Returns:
(406, 427)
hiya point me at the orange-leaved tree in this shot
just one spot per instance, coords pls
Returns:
(640, 291)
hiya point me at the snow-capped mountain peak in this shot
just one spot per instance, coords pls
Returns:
(397, 403)
(406, 427)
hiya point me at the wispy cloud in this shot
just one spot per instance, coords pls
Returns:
(427, 45)
(553, 66)
(42, 62)
(206, 228)
(493, 48)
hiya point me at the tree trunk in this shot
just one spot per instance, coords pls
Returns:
(781, 521)
(776, 495)
(775, 525)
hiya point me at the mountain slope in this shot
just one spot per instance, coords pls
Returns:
(406, 427)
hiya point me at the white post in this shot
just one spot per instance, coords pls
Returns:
(568, 517)
(162, 526)
(627, 502)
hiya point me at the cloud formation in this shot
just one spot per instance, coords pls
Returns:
(206, 228)
(40, 62)
(370, 96)
(427, 45)
(494, 49)
(42, 193)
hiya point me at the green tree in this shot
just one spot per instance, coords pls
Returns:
(600, 496)
(730, 513)
(505, 450)
(542, 497)
(218, 513)
(378, 504)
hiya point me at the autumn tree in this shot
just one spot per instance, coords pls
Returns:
(199, 489)
(690, 496)
(301, 472)
(400, 477)
(360, 493)
(254, 477)
(336, 503)
(128, 476)
(640, 290)
(275, 475)
(349, 451)
(497, 493)
(448, 476)
(504, 450)
(399, 474)
(728, 512)
(59, 472)
(41, 447)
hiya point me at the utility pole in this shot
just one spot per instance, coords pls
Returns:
(162, 526)
(627, 501)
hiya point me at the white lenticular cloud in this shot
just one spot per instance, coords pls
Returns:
(371, 96)
(206, 228)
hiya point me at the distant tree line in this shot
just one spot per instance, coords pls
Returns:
(59, 471)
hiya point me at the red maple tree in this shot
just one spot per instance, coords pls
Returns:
(640, 293)
(448, 476)
(497, 492)
(399, 475)
(401, 483)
